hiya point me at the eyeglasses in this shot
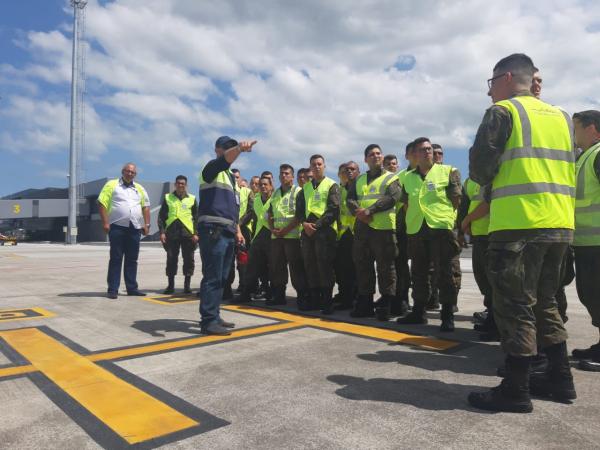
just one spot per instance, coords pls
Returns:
(491, 80)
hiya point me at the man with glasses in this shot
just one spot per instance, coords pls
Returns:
(125, 211)
(524, 148)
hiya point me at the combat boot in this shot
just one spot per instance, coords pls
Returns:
(245, 296)
(399, 307)
(326, 301)
(557, 381)
(512, 395)
(171, 286)
(344, 301)
(382, 308)
(363, 307)
(592, 352)
(415, 317)
(278, 297)
(186, 284)
(314, 299)
(447, 316)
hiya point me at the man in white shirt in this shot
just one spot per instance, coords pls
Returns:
(125, 212)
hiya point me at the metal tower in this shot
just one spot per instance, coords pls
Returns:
(77, 133)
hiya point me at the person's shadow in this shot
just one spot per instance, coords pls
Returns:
(159, 327)
(423, 393)
(437, 361)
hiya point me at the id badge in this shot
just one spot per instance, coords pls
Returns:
(430, 186)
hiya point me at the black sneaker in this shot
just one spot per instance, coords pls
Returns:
(592, 352)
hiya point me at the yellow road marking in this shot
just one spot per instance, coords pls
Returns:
(359, 330)
(133, 414)
(180, 300)
(21, 314)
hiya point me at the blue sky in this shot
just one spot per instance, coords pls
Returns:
(166, 77)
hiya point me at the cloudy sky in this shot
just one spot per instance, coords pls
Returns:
(165, 78)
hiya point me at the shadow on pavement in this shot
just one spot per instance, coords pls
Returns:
(83, 294)
(159, 327)
(433, 361)
(425, 394)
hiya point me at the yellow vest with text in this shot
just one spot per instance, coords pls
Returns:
(587, 200)
(480, 226)
(261, 210)
(368, 194)
(535, 184)
(180, 209)
(428, 201)
(316, 199)
(283, 207)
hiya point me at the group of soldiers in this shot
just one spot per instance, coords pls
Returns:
(526, 205)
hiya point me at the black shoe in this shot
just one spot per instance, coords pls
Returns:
(136, 293)
(244, 297)
(480, 316)
(225, 324)
(589, 366)
(496, 400)
(186, 285)
(447, 316)
(413, 318)
(169, 290)
(171, 286)
(399, 308)
(592, 352)
(382, 313)
(278, 297)
(214, 329)
(557, 388)
(363, 307)
(433, 306)
(112, 295)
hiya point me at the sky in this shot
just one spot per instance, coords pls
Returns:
(165, 78)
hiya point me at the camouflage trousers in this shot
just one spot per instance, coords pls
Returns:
(525, 277)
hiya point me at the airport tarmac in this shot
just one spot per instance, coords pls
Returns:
(80, 371)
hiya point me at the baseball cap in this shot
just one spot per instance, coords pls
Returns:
(225, 142)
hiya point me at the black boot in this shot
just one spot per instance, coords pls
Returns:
(592, 352)
(513, 393)
(447, 316)
(171, 286)
(382, 308)
(244, 297)
(326, 301)
(278, 296)
(186, 284)
(487, 327)
(314, 299)
(344, 301)
(363, 307)
(303, 301)
(415, 317)
(557, 381)
(399, 307)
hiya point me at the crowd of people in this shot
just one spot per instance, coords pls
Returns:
(530, 208)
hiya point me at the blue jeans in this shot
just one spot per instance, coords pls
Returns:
(124, 241)
(216, 251)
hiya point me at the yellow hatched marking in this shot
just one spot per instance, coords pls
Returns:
(7, 315)
(359, 330)
(133, 414)
(157, 299)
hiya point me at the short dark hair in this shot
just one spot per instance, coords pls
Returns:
(420, 140)
(519, 65)
(342, 166)
(317, 156)
(181, 177)
(286, 166)
(302, 171)
(370, 147)
(409, 147)
(266, 173)
(235, 170)
(434, 146)
(587, 118)
(388, 158)
(351, 163)
(262, 177)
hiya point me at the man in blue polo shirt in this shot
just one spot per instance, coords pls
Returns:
(218, 229)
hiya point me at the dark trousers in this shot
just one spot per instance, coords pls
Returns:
(284, 253)
(402, 269)
(318, 254)
(375, 247)
(525, 277)
(124, 243)
(188, 247)
(216, 251)
(478, 259)
(439, 250)
(258, 259)
(345, 273)
(587, 279)
(567, 275)
(241, 268)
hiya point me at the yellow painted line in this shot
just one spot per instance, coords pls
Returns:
(157, 299)
(19, 370)
(358, 330)
(131, 413)
(7, 315)
(168, 346)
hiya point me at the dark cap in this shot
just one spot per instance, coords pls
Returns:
(225, 142)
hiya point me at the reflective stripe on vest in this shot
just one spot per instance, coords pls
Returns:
(535, 184)
(347, 220)
(106, 194)
(221, 181)
(480, 226)
(587, 202)
(427, 200)
(180, 209)
(284, 210)
(316, 199)
(368, 194)
(261, 210)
